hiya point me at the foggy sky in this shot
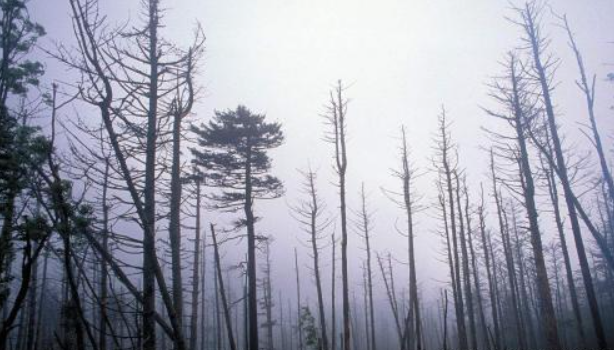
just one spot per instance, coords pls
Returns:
(401, 59)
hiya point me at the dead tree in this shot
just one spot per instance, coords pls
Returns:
(509, 260)
(267, 295)
(298, 301)
(309, 213)
(489, 273)
(105, 68)
(519, 113)
(388, 278)
(407, 200)
(589, 94)
(538, 44)
(336, 118)
(333, 283)
(558, 218)
(364, 227)
(196, 267)
(465, 263)
(474, 266)
(222, 291)
(446, 166)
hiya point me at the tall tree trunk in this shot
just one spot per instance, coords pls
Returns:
(175, 215)
(333, 303)
(222, 292)
(252, 287)
(530, 15)
(195, 273)
(489, 274)
(370, 331)
(268, 296)
(149, 240)
(32, 296)
(474, 267)
(204, 342)
(465, 265)
(511, 269)
(445, 147)
(103, 288)
(571, 283)
(298, 301)
(408, 205)
(528, 187)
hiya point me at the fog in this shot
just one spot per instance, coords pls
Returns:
(401, 63)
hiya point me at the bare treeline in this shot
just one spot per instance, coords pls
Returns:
(118, 235)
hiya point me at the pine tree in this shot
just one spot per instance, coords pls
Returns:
(233, 153)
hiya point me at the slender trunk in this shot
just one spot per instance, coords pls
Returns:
(408, 204)
(392, 300)
(474, 267)
(445, 320)
(102, 325)
(445, 147)
(571, 283)
(332, 290)
(268, 297)
(530, 14)
(508, 257)
(252, 287)
(489, 275)
(526, 176)
(32, 295)
(298, 301)
(149, 243)
(41, 306)
(203, 301)
(589, 94)
(175, 216)
(222, 292)
(465, 265)
(195, 274)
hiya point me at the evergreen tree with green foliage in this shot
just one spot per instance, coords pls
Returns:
(18, 35)
(233, 155)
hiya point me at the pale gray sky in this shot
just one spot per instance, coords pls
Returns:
(402, 59)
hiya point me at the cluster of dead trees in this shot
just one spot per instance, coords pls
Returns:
(115, 237)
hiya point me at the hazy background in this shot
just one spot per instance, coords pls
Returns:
(401, 59)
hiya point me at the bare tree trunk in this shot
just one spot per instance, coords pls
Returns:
(408, 204)
(366, 228)
(589, 93)
(445, 147)
(32, 296)
(149, 241)
(524, 296)
(337, 111)
(203, 301)
(390, 292)
(332, 290)
(474, 267)
(365, 303)
(268, 296)
(103, 288)
(489, 274)
(530, 15)
(39, 328)
(571, 283)
(465, 265)
(195, 272)
(222, 291)
(445, 320)
(508, 257)
(298, 302)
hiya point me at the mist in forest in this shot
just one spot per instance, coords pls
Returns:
(306, 175)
